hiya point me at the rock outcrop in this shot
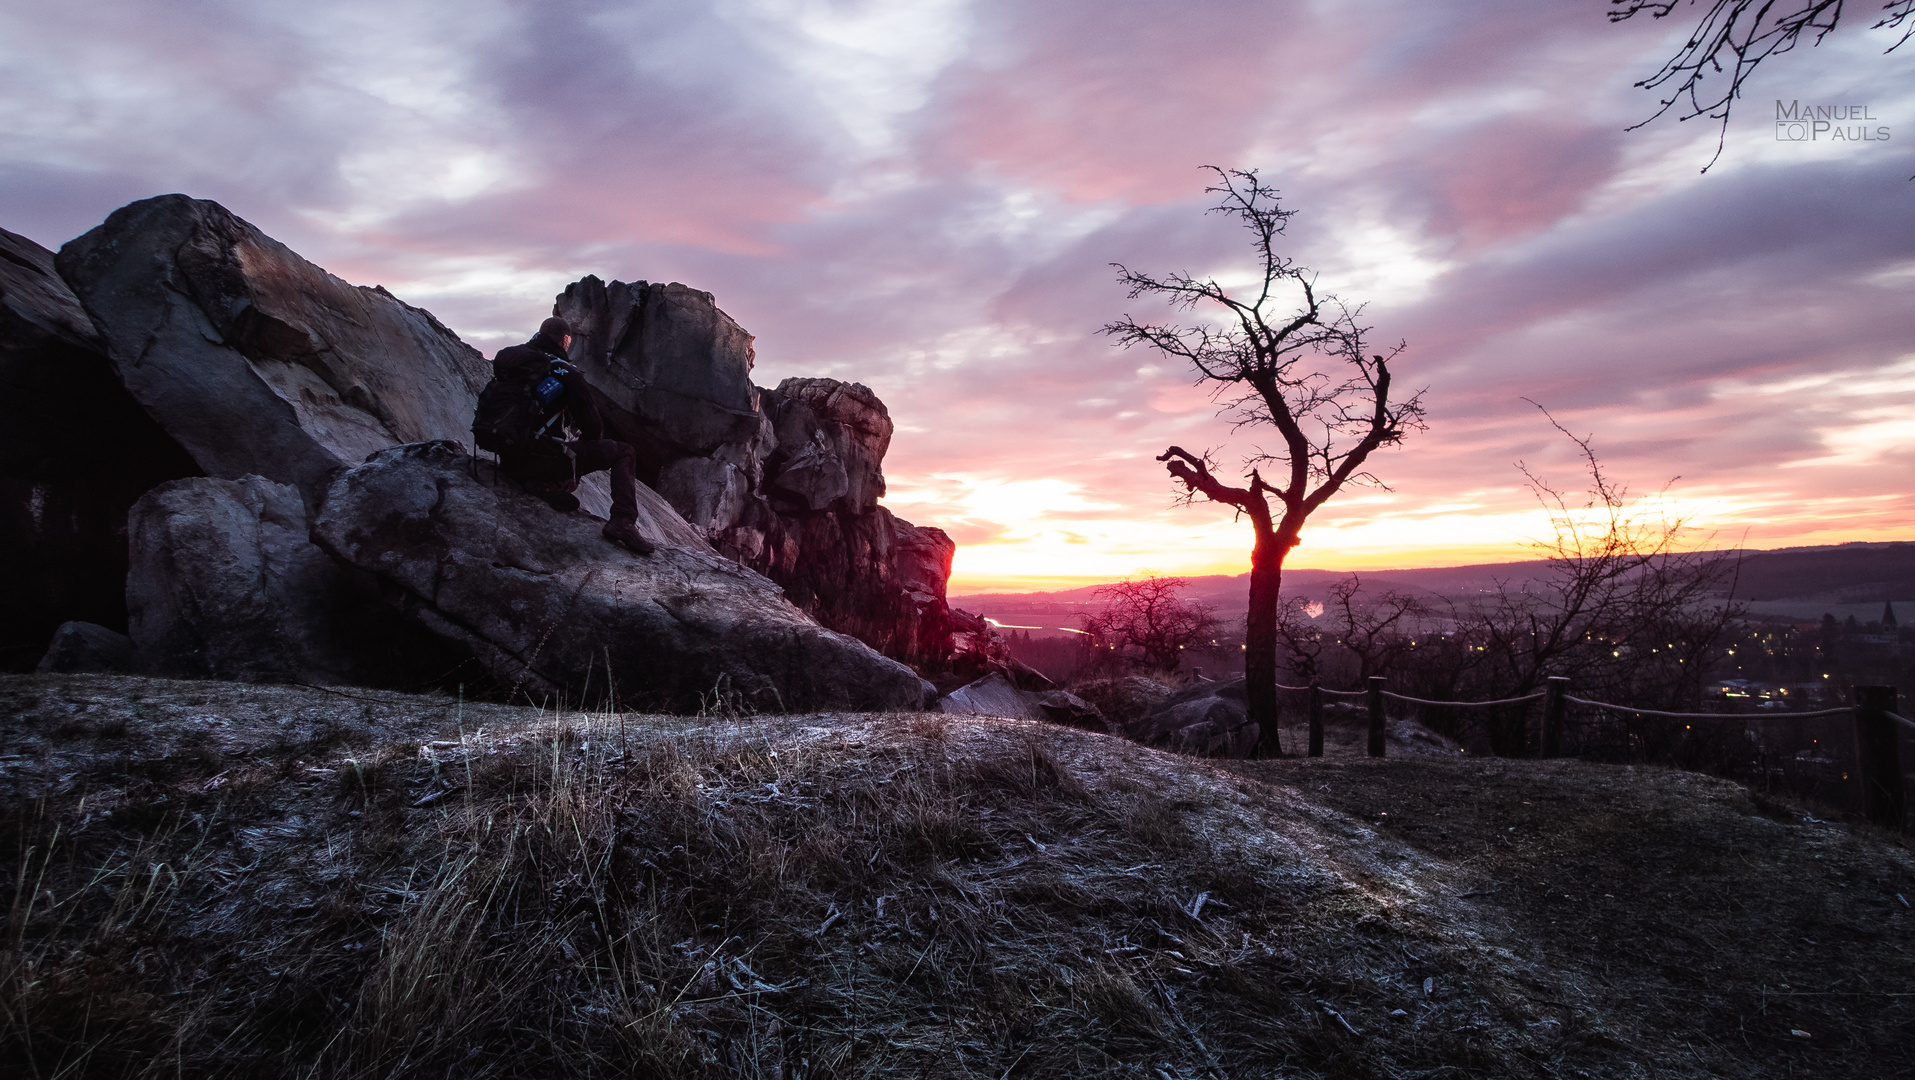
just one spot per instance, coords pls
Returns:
(786, 481)
(75, 452)
(544, 600)
(256, 361)
(239, 383)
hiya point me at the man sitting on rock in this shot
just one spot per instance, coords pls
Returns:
(529, 452)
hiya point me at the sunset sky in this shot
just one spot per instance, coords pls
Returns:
(924, 196)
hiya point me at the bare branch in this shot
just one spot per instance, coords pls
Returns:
(1740, 34)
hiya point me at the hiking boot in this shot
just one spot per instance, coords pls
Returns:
(625, 534)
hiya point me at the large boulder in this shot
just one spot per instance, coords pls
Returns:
(256, 361)
(993, 695)
(785, 481)
(225, 584)
(673, 375)
(832, 437)
(545, 601)
(75, 452)
(1064, 707)
(1206, 719)
(1126, 702)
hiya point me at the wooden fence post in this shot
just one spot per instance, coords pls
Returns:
(1376, 716)
(1878, 754)
(1553, 709)
(1316, 718)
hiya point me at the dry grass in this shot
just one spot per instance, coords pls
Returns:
(216, 880)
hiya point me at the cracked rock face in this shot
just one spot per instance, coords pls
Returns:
(547, 603)
(255, 360)
(832, 437)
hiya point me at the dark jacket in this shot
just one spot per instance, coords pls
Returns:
(533, 361)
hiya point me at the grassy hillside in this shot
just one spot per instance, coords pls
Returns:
(212, 879)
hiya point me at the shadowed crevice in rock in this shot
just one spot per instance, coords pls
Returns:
(545, 601)
(76, 451)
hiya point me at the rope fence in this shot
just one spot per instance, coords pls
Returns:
(1842, 710)
(1500, 701)
(1877, 746)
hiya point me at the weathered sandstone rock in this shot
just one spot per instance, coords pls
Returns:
(225, 584)
(544, 600)
(673, 374)
(832, 437)
(785, 481)
(231, 356)
(255, 360)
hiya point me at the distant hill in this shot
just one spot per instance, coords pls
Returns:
(1833, 576)
(1844, 574)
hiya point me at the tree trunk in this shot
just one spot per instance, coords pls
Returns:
(1260, 639)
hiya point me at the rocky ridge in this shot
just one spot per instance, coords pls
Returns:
(240, 385)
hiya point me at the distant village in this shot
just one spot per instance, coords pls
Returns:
(1804, 665)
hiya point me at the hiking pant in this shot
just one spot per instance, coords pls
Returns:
(547, 464)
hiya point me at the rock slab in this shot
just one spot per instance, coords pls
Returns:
(993, 695)
(546, 602)
(996, 694)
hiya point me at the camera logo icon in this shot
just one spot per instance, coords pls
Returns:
(1792, 131)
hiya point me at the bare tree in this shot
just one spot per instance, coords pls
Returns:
(1145, 613)
(1375, 630)
(1286, 357)
(1625, 611)
(1733, 37)
(1362, 634)
(1301, 639)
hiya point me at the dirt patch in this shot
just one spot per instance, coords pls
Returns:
(214, 880)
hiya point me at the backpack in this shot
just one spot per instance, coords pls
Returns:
(515, 413)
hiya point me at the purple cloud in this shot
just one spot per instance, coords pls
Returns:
(926, 198)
